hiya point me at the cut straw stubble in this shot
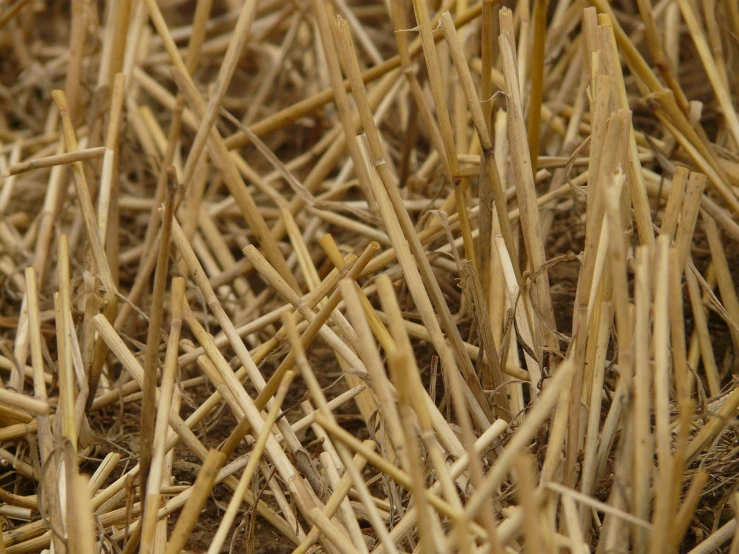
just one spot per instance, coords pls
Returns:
(256, 454)
(643, 449)
(526, 195)
(308, 105)
(396, 216)
(491, 175)
(427, 483)
(520, 439)
(50, 495)
(323, 411)
(408, 262)
(180, 427)
(412, 398)
(159, 435)
(235, 184)
(21, 401)
(151, 356)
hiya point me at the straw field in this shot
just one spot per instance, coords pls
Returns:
(369, 276)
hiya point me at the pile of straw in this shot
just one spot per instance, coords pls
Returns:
(386, 276)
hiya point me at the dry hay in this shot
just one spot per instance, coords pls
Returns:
(478, 297)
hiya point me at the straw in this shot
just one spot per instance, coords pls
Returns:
(369, 277)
